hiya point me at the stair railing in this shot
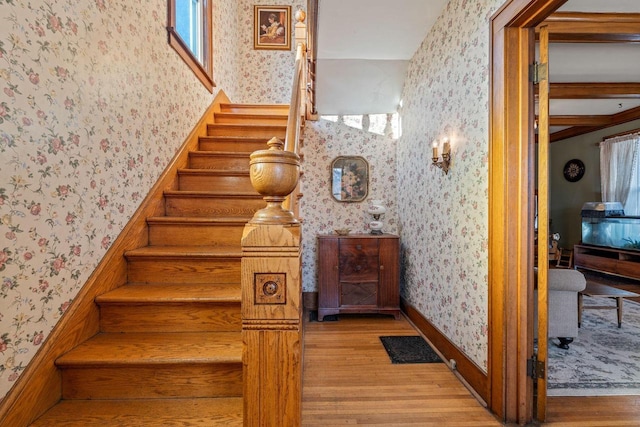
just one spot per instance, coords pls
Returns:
(297, 105)
(271, 276)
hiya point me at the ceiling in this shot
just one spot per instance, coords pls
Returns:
(361, 62)
(363, 50)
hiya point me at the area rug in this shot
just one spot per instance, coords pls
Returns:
(603, 360)
(409, 349)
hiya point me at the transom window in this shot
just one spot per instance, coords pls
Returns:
(189, 28)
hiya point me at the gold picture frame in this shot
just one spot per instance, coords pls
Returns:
(349, 179)
(272, 27)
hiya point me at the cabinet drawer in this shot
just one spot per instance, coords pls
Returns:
(358, 260)
(359, 293)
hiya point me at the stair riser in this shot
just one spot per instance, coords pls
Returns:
(215, 411)
(206, 317)
(249, 120)
(221, 163)
(208, 144)
(153, 381)
(211, 207)
(254, 109)
(247, 131)
(172, 270)
(202, 182)
(196, 234)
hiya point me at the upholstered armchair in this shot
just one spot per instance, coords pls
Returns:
(563, 288)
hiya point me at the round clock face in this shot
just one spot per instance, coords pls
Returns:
(573, 170)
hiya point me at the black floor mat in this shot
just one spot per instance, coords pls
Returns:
(409, 349)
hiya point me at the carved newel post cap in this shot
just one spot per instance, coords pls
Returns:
(274, 174)
(300, 15)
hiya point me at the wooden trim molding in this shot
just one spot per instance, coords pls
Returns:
(612, 120)
(39, 386)
(577, 27)
(511, 183)
(583, 90)
(471, 373)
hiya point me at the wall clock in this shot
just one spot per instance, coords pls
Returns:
(573, 170)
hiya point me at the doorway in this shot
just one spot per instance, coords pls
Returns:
(512, 179)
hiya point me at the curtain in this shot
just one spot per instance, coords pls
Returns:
(618, 161)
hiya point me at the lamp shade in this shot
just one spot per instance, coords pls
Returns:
(376, 207)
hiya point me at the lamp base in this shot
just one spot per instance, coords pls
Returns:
(376, 232)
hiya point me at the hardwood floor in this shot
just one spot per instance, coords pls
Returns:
(349, 380)
(593, 411)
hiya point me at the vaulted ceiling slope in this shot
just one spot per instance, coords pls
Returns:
(364, 47)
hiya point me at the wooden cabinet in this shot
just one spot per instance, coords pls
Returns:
(358, 274)
(607, 260)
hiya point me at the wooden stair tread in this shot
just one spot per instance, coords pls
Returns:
(157, 348)
(209, 153)
(236, 195)
(220, 138)
(245, 126)
(172, 293)
(221, 411)
(198, 220)
(186, 251)
(212, 172)
(284, 108)
(250, 114)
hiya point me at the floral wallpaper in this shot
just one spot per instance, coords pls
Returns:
(443, 219)
(324, 140)
(226, 44)
(265, 76)
(94, 105)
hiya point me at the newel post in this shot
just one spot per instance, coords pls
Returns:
(272, 296)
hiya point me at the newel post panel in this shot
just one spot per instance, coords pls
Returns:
(272, 325)
(272, 296)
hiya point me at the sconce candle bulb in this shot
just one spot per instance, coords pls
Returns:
(446, 155)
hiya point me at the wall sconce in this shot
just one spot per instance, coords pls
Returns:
(446, 155)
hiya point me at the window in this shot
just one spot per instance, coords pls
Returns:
(632, 206)
(189, 27)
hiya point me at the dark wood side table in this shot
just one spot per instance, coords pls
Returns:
(358, 273)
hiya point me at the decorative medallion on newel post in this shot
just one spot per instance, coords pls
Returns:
(272, 296)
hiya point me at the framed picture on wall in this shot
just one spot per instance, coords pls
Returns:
(271, 28)
(349, 178)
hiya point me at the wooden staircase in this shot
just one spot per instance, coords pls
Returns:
(169, 351)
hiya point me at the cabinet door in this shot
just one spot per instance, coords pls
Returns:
(358, 272)
(328, 275)
(358, 260)
(388, 288)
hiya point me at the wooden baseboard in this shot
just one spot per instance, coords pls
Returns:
(310, 300)
(39, 386)
(467, 369)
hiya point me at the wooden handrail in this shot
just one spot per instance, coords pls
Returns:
(296, 116)
(297, 105)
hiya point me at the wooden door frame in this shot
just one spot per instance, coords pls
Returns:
(511, 188)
